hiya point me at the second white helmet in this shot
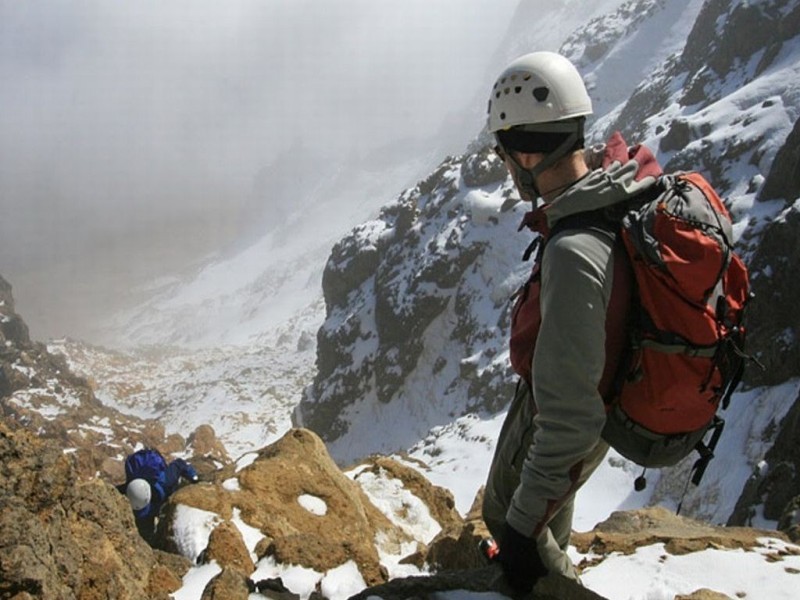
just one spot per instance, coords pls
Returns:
(138, 493)
(541, 87)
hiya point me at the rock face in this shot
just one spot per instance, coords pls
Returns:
(783, 181)
(776, 486)
(625, 531)
(421, 269)
(774, 330)
(775, 265)
(64, 538)
(725, 38)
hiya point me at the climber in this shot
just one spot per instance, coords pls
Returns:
(550, 442)
(149, 481)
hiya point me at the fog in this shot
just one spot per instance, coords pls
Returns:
(132, 133)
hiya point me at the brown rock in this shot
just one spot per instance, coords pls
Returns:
(226, 546)
(176, 563)
(64, 538)
(153, 434)
(298, 464)
(455, 548)
(704, 594)
(626, 531)
(203, 442)
(162, 582)
(230, 584)
(112, 470)
(458, 547)
(173, 443)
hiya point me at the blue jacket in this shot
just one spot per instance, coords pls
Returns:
(164, 485)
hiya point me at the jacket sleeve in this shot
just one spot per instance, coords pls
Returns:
(185, 470)
(567, 366)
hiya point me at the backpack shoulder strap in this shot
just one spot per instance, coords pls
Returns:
(600, 220)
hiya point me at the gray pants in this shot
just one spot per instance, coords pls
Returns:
(516, 436)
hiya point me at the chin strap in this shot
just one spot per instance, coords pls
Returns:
(526, 178)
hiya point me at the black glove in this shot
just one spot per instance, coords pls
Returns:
(520, 560)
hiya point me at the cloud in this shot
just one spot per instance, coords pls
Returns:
(131, 122)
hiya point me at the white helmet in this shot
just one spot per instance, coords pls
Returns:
(541, 87)
(138, 493)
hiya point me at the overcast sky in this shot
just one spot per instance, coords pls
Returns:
(134, 120)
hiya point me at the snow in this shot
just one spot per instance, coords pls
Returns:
(300, 580)
(196, 580)
(458, 456)
(653, 574)
(399, 505)
(250, 535)
(342, 582)
(192, 530)
(337, 584)
(232, 484)
(313, 504)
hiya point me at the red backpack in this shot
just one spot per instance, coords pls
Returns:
(682, 355)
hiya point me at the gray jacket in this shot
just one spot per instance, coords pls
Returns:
(576, 281)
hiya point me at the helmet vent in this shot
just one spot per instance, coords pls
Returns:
(518, 89)
(541, 93)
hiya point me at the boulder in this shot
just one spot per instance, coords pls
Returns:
(67, 538)
(230, 584)
(226, 546)
(293, 492)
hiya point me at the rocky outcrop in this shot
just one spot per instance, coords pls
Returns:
(625, 531)
(229, 584)
(593, 41)
(772, 316)
(308, 512)
(773, 333)
(423, 265)
(61, 537)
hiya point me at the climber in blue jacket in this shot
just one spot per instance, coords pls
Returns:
(149, 481)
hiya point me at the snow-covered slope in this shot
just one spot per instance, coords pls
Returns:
(237, 297)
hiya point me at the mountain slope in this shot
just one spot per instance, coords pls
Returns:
(411, 354)
(417, 300)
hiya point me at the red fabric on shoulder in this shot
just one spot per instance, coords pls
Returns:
(617, 150)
